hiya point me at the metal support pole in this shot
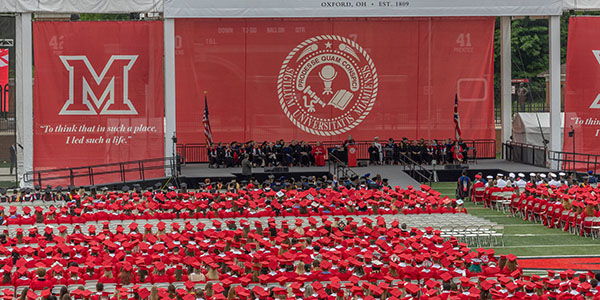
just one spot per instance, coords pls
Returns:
(555, 94)
(506, 76)
(24, 95)
(170, 113)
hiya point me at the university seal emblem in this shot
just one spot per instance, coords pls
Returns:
(327, 85)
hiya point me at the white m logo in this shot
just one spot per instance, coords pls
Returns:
(596, 103)
(89, 91)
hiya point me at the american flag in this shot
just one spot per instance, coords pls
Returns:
(205, 120)
(3, 79)
(3, 57)
(456, 118)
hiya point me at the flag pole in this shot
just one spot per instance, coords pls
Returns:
(206, 122)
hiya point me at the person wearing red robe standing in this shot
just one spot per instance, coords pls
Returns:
(318, 153)
(457, 152)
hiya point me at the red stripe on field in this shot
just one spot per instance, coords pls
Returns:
(575, 263)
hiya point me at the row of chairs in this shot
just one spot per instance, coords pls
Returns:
(535, 211)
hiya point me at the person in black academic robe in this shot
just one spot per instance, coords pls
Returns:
(373, 154)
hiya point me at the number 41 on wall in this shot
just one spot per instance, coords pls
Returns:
(464, 40)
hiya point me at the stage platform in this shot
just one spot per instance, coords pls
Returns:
(192, 174)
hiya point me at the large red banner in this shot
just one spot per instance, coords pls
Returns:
(3, 80)
(98, 95)
(323, 79)
(582, 88)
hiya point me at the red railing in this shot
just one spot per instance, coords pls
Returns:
(198, 153)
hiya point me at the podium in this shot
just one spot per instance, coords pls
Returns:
(352, 155)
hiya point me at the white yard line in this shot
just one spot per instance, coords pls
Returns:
(548, 246)
(559, 256)
(543, 234)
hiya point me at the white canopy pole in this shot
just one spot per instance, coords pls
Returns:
(555, 93)
(505, 77)
(24, 95)
(169, 81)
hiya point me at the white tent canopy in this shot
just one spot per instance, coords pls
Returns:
(278, 8)
(319, 8)
(526, 128)
(299, 8)
(581, 4)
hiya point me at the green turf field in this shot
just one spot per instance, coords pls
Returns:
(524, 238)
(7, 184)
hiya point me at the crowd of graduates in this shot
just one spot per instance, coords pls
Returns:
(307, 197)
(200, 244)
(555, 200)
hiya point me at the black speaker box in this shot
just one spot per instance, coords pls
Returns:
(455, 167)
(277, 170)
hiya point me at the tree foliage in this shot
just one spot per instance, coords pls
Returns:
(530, 50)
(104, 17)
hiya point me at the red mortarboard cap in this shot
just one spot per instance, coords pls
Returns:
(260, 291)
(511, 286)
(431, 284)
(281, 280)
(245, 281)
(127, 266)
(189, 285)
(45, 293)
(161, 225)
(218, 288)
(144, 293)
(412, 288)
(31, 295)
(486, 285)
